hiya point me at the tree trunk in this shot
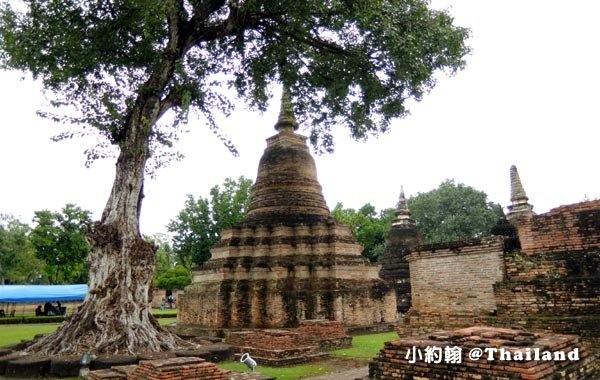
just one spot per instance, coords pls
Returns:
(116, 315)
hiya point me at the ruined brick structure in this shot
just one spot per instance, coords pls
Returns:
(538, 271)
(402, 237)
(278, 347)
(288, 260)
(553, 281)
(396, 360)
(181, 368)
(443, 276)
(453, 283)
(275, 348)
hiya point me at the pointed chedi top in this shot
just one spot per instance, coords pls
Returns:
(287, 120)
(287, 190)
(517, 193)
(520, 203)
(402, 212)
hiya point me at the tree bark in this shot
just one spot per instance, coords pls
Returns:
(116, 315)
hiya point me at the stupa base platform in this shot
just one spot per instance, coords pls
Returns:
(277, 348)
(283, 303)
(533, 356)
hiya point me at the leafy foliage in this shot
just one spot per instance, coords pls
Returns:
(369, 227)
(59, 240)
(453, 212)
(18, 263)
(164, 258)
(175, 278)
(352, 62)
(198, 225)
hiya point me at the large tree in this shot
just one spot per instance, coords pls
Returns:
(117, 66)
(198, 226)
(59, 240)
(453, 212)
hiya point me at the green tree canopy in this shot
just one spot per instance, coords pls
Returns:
(453, 212)
(350, 63)
(59, 240)
(175, 278)
(197, 227)
(165, 258)
(368, 226)
(18, 262)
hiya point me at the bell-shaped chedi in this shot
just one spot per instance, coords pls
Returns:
(288, 260)
(287, 189)
(402, 237)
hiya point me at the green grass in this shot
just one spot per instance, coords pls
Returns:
(166, 321)
(11, 334)
(165, 311)
(365, 346)
(283, 373)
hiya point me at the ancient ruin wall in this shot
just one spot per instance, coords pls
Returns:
(567, 228)
(456, 278)
(286, 302)
(553, 282)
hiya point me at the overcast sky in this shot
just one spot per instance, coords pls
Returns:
(528, 96)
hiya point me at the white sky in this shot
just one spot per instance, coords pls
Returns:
(529, 97)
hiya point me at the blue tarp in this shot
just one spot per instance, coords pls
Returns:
(42, 293)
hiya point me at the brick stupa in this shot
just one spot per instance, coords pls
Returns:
(288, 260)
(402, 237)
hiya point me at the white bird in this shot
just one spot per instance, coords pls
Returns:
(246, 359)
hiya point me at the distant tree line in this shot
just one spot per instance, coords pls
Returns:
(450, 212)
(54, 250)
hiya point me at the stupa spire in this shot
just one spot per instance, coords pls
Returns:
(402, 212)
(517, 193)
(520, 201)
(286, 120)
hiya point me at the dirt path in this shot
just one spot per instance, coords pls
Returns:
(347, 374)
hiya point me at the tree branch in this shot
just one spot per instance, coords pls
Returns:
(296, 35)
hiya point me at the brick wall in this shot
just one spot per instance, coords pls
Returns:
(267, 339)
(549, 297)
(321, 329)
(567, 228)
(553, 265)
(456, 277)
(319, 333)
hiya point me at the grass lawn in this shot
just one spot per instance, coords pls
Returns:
(11, 334)
(365, 346)
(283, 373)
(165, 311)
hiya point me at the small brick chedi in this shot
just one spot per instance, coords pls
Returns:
(402, 237)
(288, 260)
